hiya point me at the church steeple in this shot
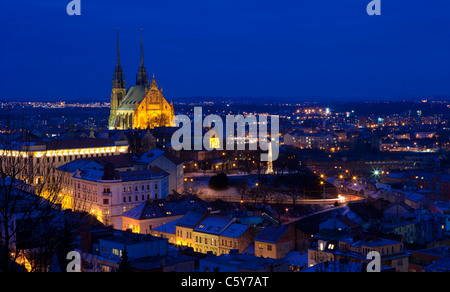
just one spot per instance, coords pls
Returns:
(118, 77)
(141, 77)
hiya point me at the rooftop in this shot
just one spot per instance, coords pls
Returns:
(235, 230)
(128, 238)
(213, 224)
(237, 260)
(272, 234)
(165, 208)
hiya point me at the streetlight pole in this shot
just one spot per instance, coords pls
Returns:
(323, 189)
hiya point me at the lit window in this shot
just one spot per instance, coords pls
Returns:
(321, 246)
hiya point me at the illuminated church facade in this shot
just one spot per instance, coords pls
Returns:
(143, 105)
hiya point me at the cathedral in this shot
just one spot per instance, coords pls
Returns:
(143, 105)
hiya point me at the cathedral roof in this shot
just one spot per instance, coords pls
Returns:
(134, 96)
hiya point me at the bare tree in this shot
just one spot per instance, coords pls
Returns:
(31, 227)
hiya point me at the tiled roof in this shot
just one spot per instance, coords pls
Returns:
(134, 96)
(152, 173)
(213, 224)
(164, 208)
(191, 219)
(119, 161)
(272, 233)
(235, 230)
(152, 155)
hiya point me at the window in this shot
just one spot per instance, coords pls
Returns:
(269, 247)
(156, 186)
(117, 252)
(105, 201)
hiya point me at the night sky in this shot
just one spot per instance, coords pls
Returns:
(227, 48)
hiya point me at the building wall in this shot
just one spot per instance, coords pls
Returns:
(184, 236)
(176, 173)
(113, 250)
(43, 163)
(240, 243)
(109, 200)
(204, 242)
(146, 225)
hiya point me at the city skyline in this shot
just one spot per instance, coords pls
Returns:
(320, 49)
(226, 137)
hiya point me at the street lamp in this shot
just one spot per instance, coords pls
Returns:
(323, 190)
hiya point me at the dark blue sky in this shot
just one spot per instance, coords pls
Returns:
(227, 48)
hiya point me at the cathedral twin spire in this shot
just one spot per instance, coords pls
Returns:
(119, 78)
(141, 77)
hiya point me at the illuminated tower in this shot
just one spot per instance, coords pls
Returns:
(269, 162)
(141, 77)
(118, 88)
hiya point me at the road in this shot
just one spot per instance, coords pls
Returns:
(198, 182)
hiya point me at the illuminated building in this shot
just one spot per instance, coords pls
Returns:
(42, 158)
(331, 245)
(152, 214)
(206, 235)
(141, 106)
(107, 194)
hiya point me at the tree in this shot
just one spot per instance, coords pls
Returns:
(125, 264)
(31, 226)
(219, 181)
